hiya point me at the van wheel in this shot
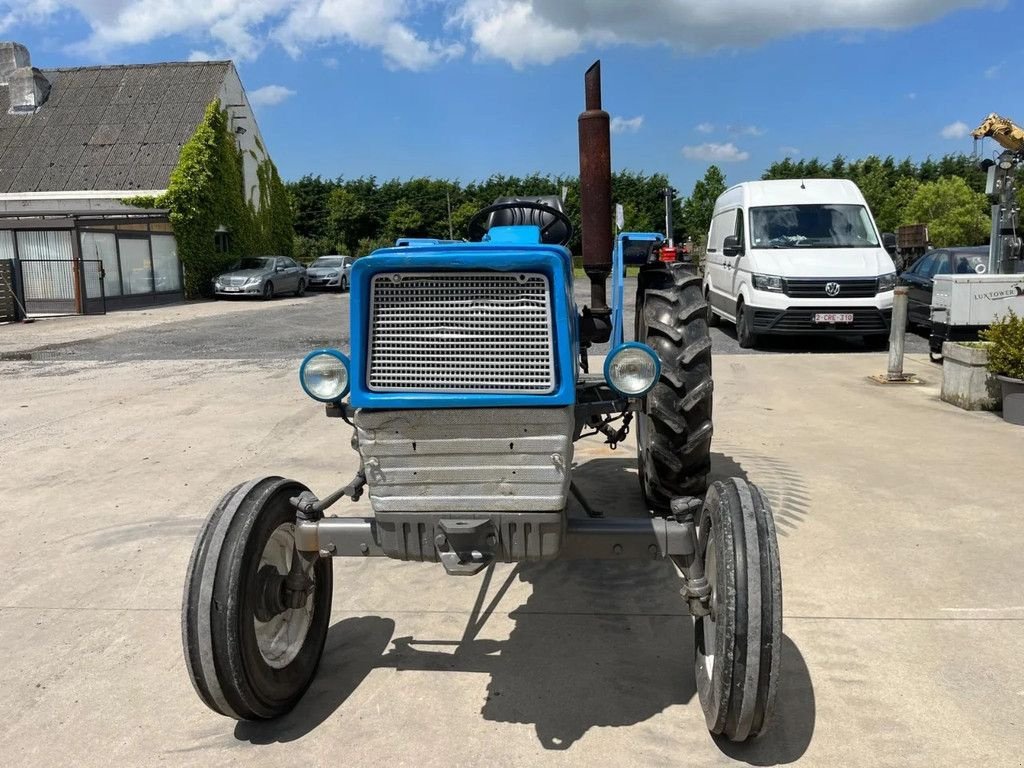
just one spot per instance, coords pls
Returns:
(745, 335)
(713, 320)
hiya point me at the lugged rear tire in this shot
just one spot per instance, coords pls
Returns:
(737, 646)
(674, 428)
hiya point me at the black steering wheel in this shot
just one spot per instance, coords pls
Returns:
(477, 228)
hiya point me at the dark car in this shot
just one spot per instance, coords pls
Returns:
(920, 277)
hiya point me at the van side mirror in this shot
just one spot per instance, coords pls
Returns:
(889, 242)
(731, 246)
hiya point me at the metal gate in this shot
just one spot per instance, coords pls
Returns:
(63, 286)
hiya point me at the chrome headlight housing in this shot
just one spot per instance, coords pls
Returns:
(255, 280)
(768, 283)
(631, 369)
(886, 282)
(324, 375)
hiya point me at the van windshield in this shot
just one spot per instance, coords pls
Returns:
(811, 226)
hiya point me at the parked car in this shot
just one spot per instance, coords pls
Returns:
(920, 277)
(797, 257)
(330, 272)
(264, 276)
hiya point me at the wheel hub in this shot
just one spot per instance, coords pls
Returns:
(710, 620)
(284, 599)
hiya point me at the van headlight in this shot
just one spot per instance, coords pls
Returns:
(768, 283)
(632, 369)
(886, 282)
(324, 375)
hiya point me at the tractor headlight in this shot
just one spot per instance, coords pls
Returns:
(324, 375)
(886, 282)
(632, 369)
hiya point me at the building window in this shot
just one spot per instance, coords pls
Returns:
(136, 264)
(222, 238)
(102, 246)
(47, 264)
(166, 274)
(6, 244)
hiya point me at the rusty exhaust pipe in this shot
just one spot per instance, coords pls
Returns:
(596, 206)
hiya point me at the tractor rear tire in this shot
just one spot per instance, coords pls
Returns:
(250, 656)
(674, 427)
(737, 646)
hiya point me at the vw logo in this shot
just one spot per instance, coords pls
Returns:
(832, 289)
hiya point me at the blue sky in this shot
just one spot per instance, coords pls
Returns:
(466, 88)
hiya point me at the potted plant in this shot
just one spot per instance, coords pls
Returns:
(1006, 361)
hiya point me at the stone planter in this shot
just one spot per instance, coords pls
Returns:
(966, 382)
(1013, 399)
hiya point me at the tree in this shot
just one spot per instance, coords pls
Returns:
(954, 213)
(891, 212)
(404, 220)
(309, 197)
(346, 214)
(700, 206)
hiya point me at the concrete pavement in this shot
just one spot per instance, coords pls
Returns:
(900, 544)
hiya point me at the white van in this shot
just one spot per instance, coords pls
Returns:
(798, 257)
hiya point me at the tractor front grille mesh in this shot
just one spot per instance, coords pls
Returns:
(468, 332)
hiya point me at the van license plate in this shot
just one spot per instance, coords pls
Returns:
(833, 317)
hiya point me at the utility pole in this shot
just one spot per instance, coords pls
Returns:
(448, 196)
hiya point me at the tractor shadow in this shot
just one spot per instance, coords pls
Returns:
(353, 649)
(597, 644)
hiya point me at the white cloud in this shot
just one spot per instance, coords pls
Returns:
(744, 130)
(957, 130)
(715, 153)
(201, 56)
(512, 31)
(704, 127)
(241, 29)
(380, 24)
(270, 95)
(994, 71)
(627, 124)
(525, 32)
(520, 32)
(789, 151)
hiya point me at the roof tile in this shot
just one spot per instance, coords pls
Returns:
(118, 127)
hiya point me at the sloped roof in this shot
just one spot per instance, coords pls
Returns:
(106, 128)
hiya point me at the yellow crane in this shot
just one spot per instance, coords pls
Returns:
(1006, 132)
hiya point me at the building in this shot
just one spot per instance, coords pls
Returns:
(77, 146)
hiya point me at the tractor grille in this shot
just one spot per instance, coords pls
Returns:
(469, 332)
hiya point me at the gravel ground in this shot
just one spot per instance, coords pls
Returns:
(288, 329)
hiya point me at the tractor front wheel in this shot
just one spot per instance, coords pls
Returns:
(674, 429)
(736, 646)
(255, 612)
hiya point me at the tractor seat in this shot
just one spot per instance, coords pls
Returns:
(512, 217)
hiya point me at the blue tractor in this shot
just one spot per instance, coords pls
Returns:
(467, 383)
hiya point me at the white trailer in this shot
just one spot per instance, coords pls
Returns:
(962, 305)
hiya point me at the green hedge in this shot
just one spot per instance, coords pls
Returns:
(207, 191)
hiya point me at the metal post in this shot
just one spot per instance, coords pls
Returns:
(897, 334)
(669, 229)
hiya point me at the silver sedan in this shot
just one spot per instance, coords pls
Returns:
(330, 272)
(263, 276)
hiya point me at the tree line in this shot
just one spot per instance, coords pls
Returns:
(358, 215)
